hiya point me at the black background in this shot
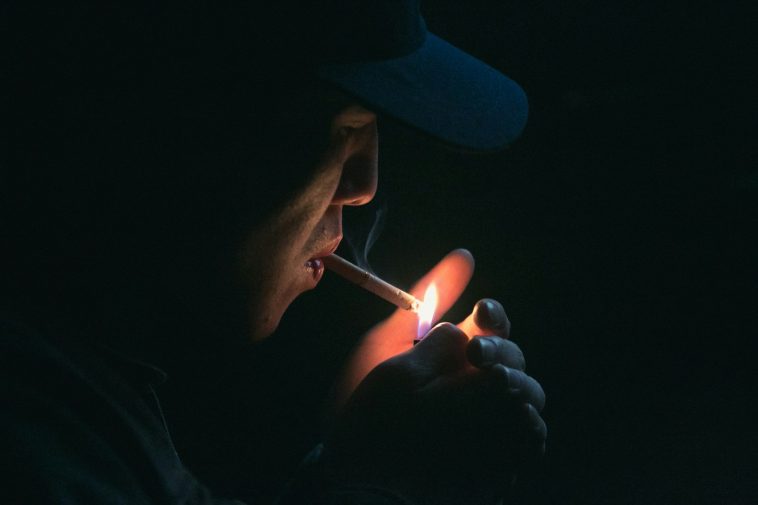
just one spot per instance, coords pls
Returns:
(618, 232)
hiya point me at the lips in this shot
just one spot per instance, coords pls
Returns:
(315, 265)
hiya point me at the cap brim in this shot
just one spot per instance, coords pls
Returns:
(441, 90)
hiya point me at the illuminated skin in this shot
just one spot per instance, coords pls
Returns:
(281, 257)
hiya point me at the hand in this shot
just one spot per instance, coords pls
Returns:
(433, 427)
(450, 420)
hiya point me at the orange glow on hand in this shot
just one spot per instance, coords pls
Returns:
(470, 328)
(395, 334)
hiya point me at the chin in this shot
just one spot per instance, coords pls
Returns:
(265, 320)
(262, 328)
(273, 297)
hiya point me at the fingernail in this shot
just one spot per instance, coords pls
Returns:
(489, 314)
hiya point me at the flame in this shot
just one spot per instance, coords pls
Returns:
(426, 311)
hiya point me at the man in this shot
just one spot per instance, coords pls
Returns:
(174, 175)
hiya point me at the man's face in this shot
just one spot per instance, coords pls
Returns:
(281, 258)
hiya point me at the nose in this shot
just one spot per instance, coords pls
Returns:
(360, 174)
(358, 182)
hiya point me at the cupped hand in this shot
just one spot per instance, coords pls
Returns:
(429, 424)
(458, 407)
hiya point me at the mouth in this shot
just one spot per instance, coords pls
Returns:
(315, 265)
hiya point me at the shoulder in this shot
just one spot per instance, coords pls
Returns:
(81, 424)
(72, 430)
(53, 426)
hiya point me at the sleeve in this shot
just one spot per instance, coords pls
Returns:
(50, 456)
(64, 443)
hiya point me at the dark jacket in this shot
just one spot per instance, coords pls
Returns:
(80, 424)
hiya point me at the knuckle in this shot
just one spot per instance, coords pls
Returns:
(521, 359)
(538, 394)
(514, 354)
(517, 380)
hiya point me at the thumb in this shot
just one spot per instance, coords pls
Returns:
(442, 351)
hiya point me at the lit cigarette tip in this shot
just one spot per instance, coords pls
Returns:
(372, 283)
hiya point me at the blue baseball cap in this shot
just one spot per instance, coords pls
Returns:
(382, 53)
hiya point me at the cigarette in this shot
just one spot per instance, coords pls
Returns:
(372, 283)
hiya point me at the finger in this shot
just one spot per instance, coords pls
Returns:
(487, 351)
(443, 350)
(490, 317)
(535, 433)
(519, 385)
(487, 318)
(536, 429)
(451, 276)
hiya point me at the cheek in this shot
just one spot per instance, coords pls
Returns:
(274, 256)
(269, 296)
(327, 228)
